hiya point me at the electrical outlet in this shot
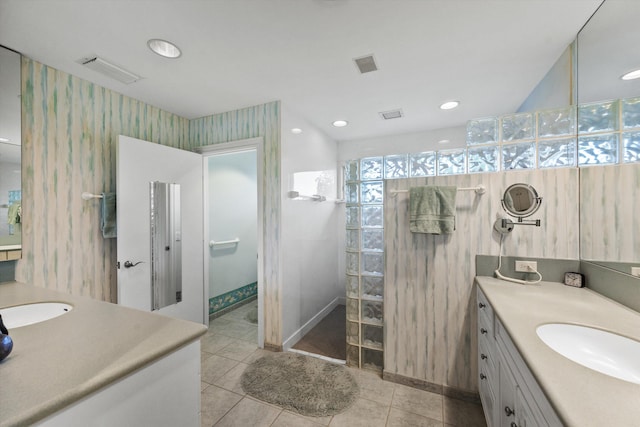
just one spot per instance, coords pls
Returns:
(635, 271)
(526, 266)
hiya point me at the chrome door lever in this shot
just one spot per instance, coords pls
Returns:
(129, 264)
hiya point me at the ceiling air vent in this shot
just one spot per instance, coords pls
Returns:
(366, 64)
(109, 70)
(393, 114)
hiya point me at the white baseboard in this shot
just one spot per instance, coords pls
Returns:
(297, 335)
(319, 356)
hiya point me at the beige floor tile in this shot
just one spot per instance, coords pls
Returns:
(257, 354)
(400, 418)
(317, 420)
(218, 323)
(251, 336)
(418, 402)
(231, 380)
(236, 329)
(204, 356)
(463, 414)
(363, 413)
(214, 343)
(215, 367)
(237, 350)
(287, 419)
(372, 387)
(249, 413)
(215, 403)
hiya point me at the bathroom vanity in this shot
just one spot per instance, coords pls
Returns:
(99, 363)
(524, 382)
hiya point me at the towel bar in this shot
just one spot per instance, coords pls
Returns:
(213, 243)
(89, 196)
(480, 189)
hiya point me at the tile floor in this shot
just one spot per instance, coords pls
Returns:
(231, 344)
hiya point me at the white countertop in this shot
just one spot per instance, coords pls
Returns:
(581, 397)
(57, 362)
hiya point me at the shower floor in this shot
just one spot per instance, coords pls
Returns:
(327, 338)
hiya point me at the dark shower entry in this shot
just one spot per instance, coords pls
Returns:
(328, 337)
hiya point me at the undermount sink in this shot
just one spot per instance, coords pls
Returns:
(602, 351)
(28, 314)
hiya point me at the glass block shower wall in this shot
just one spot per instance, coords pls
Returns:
(365, 260)
(608, 132)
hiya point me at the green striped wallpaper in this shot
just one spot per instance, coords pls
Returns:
(258, 121)
(69, 130)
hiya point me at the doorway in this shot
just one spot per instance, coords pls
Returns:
(233, 238)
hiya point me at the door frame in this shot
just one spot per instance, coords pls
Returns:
(231, 147)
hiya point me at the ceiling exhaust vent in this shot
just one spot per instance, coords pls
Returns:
(109, 70)
(366, 64)
(393, 114)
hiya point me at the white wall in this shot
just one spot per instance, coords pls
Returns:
(232, 213)
(311, 275)
(404, 143)
(554, 90)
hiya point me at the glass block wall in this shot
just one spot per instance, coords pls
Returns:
(607, 132)
(365, 257)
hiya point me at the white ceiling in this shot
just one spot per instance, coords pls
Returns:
(488, 54)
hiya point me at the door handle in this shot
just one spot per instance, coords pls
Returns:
(129, 264)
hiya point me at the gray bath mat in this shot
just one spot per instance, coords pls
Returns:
(252, 315)
(305, 385)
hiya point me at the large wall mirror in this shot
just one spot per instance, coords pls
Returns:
(609, 195)
(10, 162)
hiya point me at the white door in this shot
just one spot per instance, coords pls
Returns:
(138, 163)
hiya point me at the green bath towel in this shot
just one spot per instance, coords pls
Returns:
(432, 209)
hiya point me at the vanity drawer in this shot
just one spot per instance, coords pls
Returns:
(489, 401)
(487, 359)
(485, 318)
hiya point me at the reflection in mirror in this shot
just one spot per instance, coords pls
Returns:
(521, 200)
(10, 146)
(607, 47)
(607, 50)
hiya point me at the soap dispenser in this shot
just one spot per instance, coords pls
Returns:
(6, 343)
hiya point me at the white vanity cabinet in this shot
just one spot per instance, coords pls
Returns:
(509, 393)
(487, 361)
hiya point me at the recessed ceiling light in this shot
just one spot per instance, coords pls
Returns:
(296, 130)
(164, 48)
(444, 141)
(4, 140)
(340, 123)
(449, 105)
(631, 75)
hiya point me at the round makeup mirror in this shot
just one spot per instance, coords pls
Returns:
(521, 200)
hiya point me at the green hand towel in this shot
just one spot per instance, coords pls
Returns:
(432, 209)
(108, 220)
(15, 213)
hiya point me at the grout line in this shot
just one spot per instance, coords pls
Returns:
(228, 410)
